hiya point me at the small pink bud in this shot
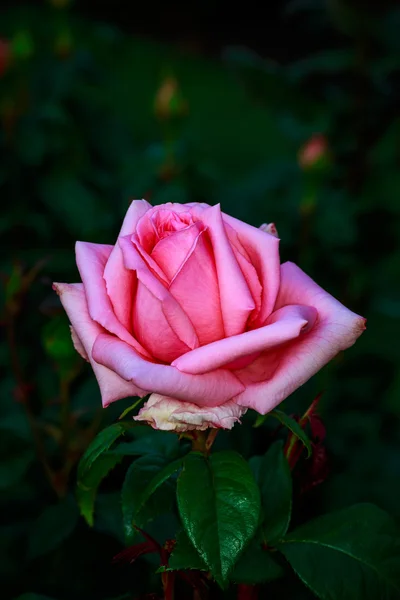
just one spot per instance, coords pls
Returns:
(314, 152)
(269, 228)
(169, 101)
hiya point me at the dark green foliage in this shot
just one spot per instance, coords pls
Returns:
(257, 565)
(146, 491)
(288, 422)
(185, 555)
(52, 527)
(349, 554)
(273, 476)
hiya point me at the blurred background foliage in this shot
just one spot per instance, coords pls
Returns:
(286, 114)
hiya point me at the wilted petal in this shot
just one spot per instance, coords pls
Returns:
(269, 228)
(169, 414)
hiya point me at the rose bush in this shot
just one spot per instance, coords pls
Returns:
(193, 306)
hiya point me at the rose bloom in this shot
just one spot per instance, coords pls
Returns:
(193, 306)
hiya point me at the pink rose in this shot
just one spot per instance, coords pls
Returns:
(194, 306)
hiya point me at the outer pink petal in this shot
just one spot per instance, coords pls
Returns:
(247, 269)
(275, 375)
(172, 323)
(195, 287)
(285, 325)
(120, 282)
(112, 386)
(169, 414)
(263, 251)
(236, 299)
(210, 389)
(76, 340)
(91, 260)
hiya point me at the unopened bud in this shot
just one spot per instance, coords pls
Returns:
(169, 102)
(314, 153)
(269, 228)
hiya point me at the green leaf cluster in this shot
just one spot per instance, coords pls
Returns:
(236, 519)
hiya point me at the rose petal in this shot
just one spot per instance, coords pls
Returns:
(210, 389)
(149, 260)
(284, 325)
(236, 299)
(276, 374)
(151, 326)
(263, 251)
(247, 269)
(195, 287)
(77, 342)
(169, 414)
(119, 281)
(171, 252)
(112, 387)
(91, 260)
(158, 319)
(160, 222)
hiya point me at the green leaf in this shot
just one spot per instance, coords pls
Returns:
(185, 555)
(256, 565)
(351, 554)
(89, 483)
(101, 443)
(219, 504)
(294, 427)
(273, 476)
(140, 503)
(95, 464)
(52, 527)
(162, 443)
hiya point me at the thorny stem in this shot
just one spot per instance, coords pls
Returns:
(202, 441)
(247, 592)
(168, 580)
